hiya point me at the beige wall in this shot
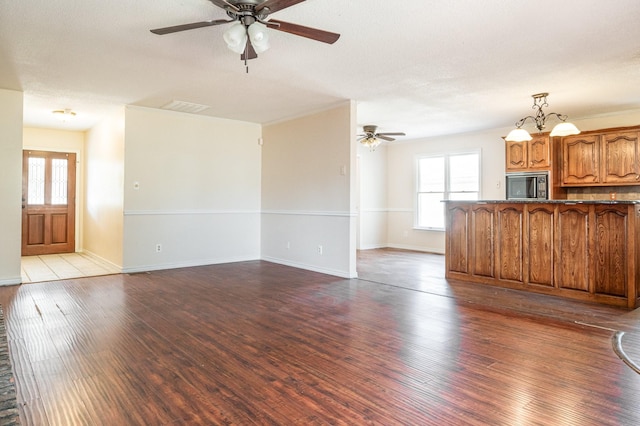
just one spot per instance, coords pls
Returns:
(62, 141)
(103, 182)
(192, 185)
(10, 186)
(373, 212)
(308, 182)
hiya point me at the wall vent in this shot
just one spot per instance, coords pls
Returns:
(188, 107)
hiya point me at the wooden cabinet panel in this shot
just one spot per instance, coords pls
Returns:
(510, 231)
(457, 249)
(516, 156)
(533, 155)
(539, 150)
(482, 242)
(580, 160)
(572, 257)
(610, 251)
(620, 158)
(540, 242)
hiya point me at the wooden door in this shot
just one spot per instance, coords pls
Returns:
(48, 202)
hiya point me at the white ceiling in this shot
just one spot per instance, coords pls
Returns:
(425, 67)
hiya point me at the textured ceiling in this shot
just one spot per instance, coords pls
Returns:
(420, 66)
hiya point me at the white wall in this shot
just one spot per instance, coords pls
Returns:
(308, 198)
(103, 182)
(372, 211)
(400, 164)
(192, 185)
(38, 139)
(10, 186)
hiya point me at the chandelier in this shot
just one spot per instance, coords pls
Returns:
(561, 129)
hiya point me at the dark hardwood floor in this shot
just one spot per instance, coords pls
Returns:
(260, 343)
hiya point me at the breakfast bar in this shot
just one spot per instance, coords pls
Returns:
(584, 250)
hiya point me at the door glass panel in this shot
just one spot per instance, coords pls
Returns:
(58, 181)
(36, 181)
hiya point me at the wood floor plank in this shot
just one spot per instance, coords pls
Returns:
(260, 343)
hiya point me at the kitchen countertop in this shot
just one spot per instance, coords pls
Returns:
(571, 202)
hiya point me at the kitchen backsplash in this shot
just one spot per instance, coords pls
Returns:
(604, 193)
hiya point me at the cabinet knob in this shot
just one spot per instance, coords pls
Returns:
(637, 177)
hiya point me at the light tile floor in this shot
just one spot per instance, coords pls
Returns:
(52, 267)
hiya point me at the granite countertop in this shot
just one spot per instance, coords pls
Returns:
(532, 201)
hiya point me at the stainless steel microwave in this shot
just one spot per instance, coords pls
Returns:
(527, 186)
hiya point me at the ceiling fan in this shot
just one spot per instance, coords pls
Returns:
(372, 139)
(247, 35)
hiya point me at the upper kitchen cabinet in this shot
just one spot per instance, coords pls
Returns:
(602, 158)
(620, 158)
(581, 160)
(533, 155)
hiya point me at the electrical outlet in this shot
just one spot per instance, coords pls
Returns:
(288, 245)
(319, 249)
(158, 248)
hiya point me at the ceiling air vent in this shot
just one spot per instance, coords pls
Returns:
(188, 107)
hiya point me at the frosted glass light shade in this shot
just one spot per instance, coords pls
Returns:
(564, 129)
(518, 135)
(236, 37)
(259, 37)
(371, 143)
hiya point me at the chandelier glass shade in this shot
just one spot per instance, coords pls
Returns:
(563, 128)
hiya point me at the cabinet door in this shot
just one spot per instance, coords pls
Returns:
(516, 156)
(539, 153)
(620, 158)
(610, 250)
(482, 240)
(580, 160)
(540, 243)
(510, 231)
(572, 245)
(458, 239)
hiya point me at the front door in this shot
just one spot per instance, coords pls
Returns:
(48, 202)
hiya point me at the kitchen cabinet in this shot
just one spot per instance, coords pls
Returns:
(581, 160)
(529, 156)
(620, 158)
(579, 250)
(601, 158)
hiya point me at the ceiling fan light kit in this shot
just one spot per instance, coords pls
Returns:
(563, 128)
(248, 33)
(371, 139)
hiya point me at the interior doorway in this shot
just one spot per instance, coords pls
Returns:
(48, 202)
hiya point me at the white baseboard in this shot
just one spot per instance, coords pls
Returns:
(334, 272)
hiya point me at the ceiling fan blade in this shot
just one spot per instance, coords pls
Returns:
(391, 134)
(249, 52)
(386, 138)
(276, 5)
(224, 4)
(192, 26)
(300, 30)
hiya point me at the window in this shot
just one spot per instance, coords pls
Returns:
(445, 177)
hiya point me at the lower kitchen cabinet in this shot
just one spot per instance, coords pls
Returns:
(583, 251)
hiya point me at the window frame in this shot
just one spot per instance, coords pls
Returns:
(446, 194)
